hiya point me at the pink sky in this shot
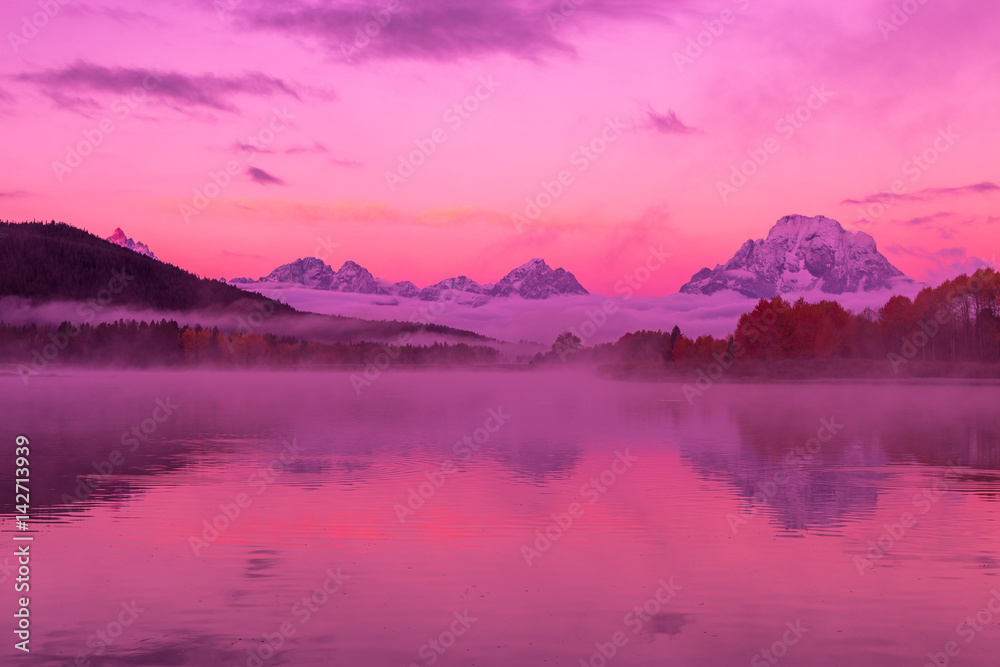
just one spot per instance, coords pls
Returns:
(317, 185)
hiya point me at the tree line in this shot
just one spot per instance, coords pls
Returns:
(959, 320)
(34, 348)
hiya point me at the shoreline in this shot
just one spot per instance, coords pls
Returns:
(858, 371)
(800, 371)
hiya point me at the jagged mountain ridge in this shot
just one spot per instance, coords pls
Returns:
(533, 280)
(536, 280)
(801, 254)
(119, 238)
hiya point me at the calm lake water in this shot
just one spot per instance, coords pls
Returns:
(487, 518)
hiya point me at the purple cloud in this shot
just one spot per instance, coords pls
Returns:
(117, 14)
(438, 29)
(977, 188)
(984, 187)
(264, 178)
(241, 146)
(320, 149)
(925, 219)
(315, 148)
(946, 263)
(173, 88)
(667, 123)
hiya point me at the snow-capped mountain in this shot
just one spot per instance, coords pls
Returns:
(802, 254)
(119, 238)
(536, 280)
(309, 272)
(455, 288)
(533, 280)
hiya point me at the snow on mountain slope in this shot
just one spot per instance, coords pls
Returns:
(802, 254)
(532, 280)
(119, 238)
(536, 280)
(541, 320)
(308, 272)
(814, 258)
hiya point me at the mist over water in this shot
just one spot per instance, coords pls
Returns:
(508, 518)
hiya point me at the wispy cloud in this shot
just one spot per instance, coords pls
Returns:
(13, 193)
(666, 123)
(925, 219)
(264, 178)
(985, 187)
(173, 88)
(319, 149)
(241, 146)
(348, 164)
(117, 14)
(944, 263)
(977, 188)
(439, 29)
(315, 148)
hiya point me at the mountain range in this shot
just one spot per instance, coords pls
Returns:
(802, 254)
(532, 280)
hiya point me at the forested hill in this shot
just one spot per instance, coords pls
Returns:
(58, 262)
(48, 262)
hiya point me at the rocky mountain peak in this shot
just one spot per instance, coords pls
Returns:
(537, 280)
(119, 238)
(801, 254)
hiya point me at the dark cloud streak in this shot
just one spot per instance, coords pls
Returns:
(264, 178)
(667, 123)
(183, 90)
(440, 30)
(984, 187)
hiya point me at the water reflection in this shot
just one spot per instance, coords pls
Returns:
(811, 463)
(221, 546)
